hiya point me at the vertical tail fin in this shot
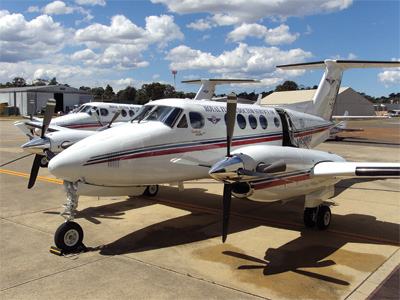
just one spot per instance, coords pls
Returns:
(325, 97)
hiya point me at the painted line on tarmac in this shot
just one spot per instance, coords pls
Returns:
(13, 140)
(28, 175)
(219, 212)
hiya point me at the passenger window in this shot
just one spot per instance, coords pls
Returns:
(241, 121)
(183, 122)
(123, 113)
(252, 121)
(131, 113)
(103, 112)
(196, 120)
(263, 122)
(276, 121)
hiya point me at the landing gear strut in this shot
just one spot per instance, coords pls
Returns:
(69, 235)
(320, 216)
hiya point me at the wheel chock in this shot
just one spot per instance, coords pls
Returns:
(60, 252)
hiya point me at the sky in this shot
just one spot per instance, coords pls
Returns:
(96, 43)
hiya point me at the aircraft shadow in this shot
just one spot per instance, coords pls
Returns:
(312, 249)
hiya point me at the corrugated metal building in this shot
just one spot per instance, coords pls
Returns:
(31, 99)
(348, 99)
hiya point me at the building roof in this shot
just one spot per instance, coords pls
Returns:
(290, 97)
(45, 89)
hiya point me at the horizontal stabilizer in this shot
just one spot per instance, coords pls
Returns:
(343, 64)
(354, 169)
(207, 89)
(221, 81)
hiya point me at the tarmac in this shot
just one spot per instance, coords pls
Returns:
(169, 246)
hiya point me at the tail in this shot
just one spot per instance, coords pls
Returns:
(207, 88)
(325, 97)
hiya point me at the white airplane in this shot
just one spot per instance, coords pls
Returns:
(83, 118)
(174, 140)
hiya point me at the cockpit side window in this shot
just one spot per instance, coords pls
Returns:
(183, 122)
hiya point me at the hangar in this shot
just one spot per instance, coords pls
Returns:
(348, 99)
(31, 99)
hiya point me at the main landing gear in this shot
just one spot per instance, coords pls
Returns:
(69, 235)
(320, 216)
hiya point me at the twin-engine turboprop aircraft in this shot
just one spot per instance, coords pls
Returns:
(258, 152)
(88, 116)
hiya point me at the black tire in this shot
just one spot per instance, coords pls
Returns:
(309, 216)
(69, 236)
(324, 217)
(151, 191)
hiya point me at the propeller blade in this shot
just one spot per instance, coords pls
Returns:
(231, 105)
(226, 209)
(96, 115)
(34, 170)
(48, 114)
(116, 115)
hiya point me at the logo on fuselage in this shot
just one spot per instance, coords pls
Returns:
(214, 120)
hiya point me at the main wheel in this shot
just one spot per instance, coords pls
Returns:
(151, 191)
(69, 236)
(309, 216)
(323, 217)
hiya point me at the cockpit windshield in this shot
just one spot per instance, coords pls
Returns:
(85, 109)
(165, 114)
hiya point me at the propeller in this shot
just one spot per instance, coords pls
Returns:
(231, 105)
(96, 115)
(116, 115)
(50, 107)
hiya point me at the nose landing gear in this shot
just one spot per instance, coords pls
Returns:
(69, 235)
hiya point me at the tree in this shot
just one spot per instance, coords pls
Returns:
(40, 82)
(157, 90)
(85, 88)
(98, 92)
(19, 82)
(109, 92)
(53, 81)
(287, 86)
(141, 97)
(128, 94)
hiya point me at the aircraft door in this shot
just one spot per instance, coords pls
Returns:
(287, 129)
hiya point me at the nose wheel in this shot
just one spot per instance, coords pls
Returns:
(69, 236)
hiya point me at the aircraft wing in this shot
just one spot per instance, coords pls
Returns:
(52, 128)
(355, 169)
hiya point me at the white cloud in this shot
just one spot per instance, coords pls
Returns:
(32, 9)
(244, 61)
(91, 2)
(27, 40)
(121, 30)
(280, 35)
(201, 25)
(57, 8)
(276, 36)
(243, 31)
(239, 11)
(121, 44)
(390, 77)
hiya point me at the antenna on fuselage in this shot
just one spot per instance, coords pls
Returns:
(207, 89)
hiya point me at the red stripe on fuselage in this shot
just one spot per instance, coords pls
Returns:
(186, 149)
(279, 182)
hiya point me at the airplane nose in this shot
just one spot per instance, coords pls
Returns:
(67, 166)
